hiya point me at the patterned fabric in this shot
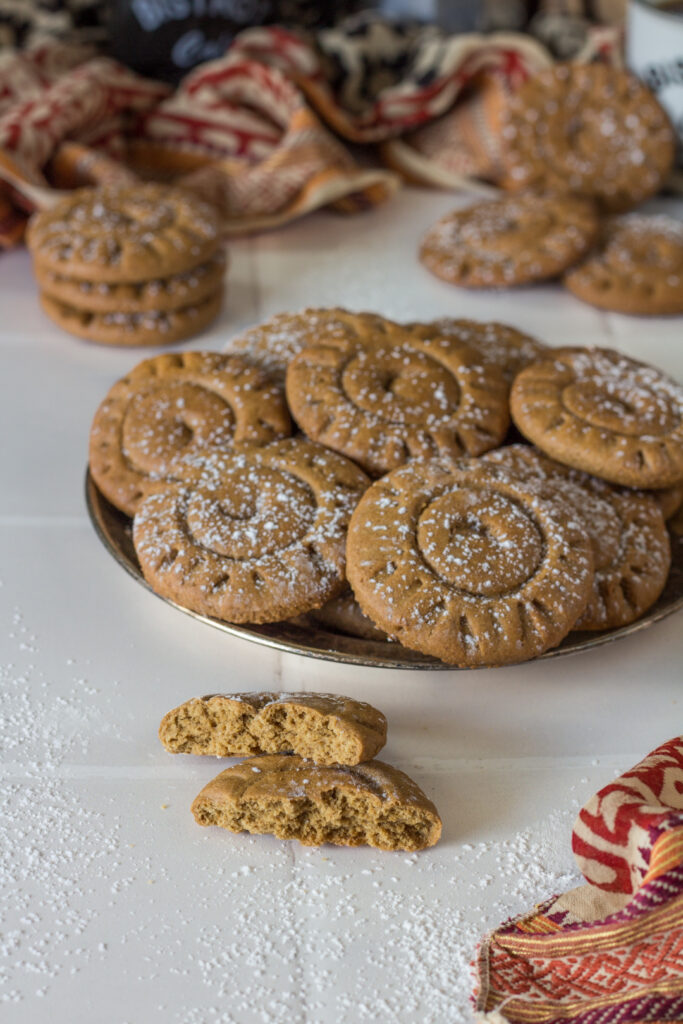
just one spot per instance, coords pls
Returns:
(610, 952)
(27, 22)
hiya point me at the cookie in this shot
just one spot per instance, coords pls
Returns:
(274, 343)
(370, 804)
(343, 614)
(173, 406)
(384, 398)
(161, 295)
(631, 550)
(322, 726)
(597, 410)
(590, 129)
(124, 233)
(669, 500)
(637, 269)
(257, 535)
(510, 241)
(499, 344)
(134, 329)
(457, 561)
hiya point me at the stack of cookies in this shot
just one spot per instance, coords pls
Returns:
(309, 773)
(129, 264)
(398, 511)
(582, 145)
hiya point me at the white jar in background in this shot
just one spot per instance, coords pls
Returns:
(654, 50)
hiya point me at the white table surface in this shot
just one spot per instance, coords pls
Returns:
(116, 907)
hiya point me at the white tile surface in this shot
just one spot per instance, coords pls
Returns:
(116, 907)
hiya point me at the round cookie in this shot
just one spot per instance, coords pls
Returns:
(172, 406)
(510, 241)
(274, 343)
(135, 329)
(457, 561)
(597, 410)
(257, 535)
(504, 346)
(342, 614)
(589, 129)
(383, 398)
(637, 269)
(669, 500)
(161, 295)
(631, 550)
(125, 233)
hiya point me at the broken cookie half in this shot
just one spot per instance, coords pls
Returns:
(287, 796)
(327, 728)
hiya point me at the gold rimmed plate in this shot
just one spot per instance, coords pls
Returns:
(114, 530)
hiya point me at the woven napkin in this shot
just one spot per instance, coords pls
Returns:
(610, 952)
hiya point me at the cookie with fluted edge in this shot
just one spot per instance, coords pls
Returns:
(514, 240)
(597, 410)
(124, 233)
(325, 727)
(274, 343)
(159, 327)
(172, 406)
(590, 129)
(631, 550)
(369, 804)
(458, 561)
(160, 295)
(253, 535)
(383, 398)
(636, 269)
(504, 346)
(343, 614)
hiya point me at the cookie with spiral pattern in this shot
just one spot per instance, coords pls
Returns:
(369, 804)
(631, 550)
(256, 535)
(161, 295)
(510, 241)
(131, 330)
(458, 561)
(382, 398)
(589, 129)
(325, 727)
(597, 410)
(636, 269)
(274, 343)
(124, 233)
(503, 346)
(170, 407)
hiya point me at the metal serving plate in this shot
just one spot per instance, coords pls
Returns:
(114, 530)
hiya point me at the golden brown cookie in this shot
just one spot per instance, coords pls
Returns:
(257, 535)
(638, 267)
(370, 804)
(161, 295)
(343, 614)
(458, 561)
(383, 398)
(500, 344)
(325, 727)
(590, 129)
(597, 410)
(669, 500)
(631, 551)
(514, 240)
(134, 329)
(173, 406)
(128, 233)
(275, 342)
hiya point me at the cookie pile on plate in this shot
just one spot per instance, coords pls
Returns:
(310, 772)
(129, 264)
(398, 510)
(582, 145)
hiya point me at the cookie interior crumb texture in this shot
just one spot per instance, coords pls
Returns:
(325, 727)
(371, 804)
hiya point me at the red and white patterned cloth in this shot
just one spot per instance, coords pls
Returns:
(610, 952)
